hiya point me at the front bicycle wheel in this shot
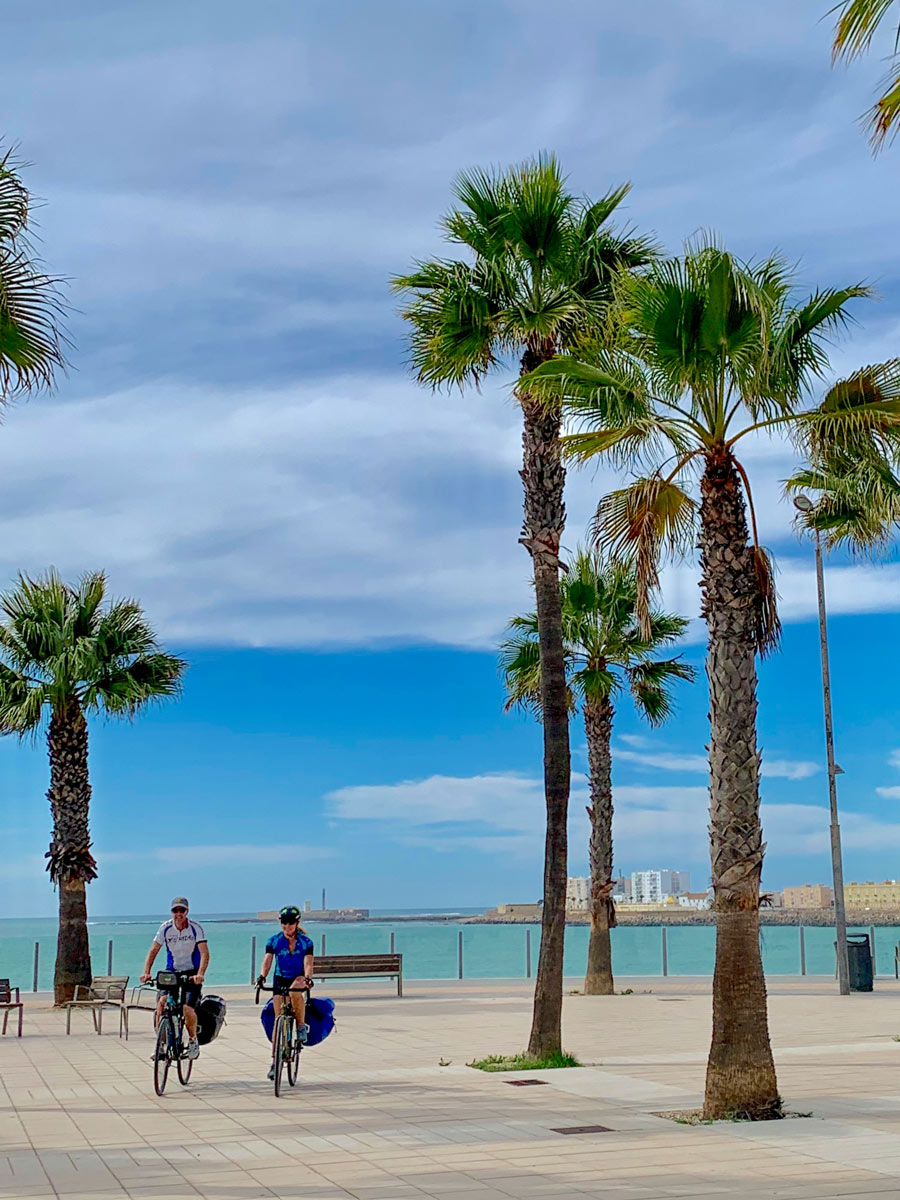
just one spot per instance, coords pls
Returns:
(185, 1064)
(278, 1042)
(292, 1052)
(164, 1043)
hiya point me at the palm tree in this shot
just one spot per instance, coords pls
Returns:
(704, 351)
(66, 652)
(31, 309)
(537, 273)
(856, 483)
(856, 26)
(605, 651)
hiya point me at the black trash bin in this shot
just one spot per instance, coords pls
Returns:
(859, 956)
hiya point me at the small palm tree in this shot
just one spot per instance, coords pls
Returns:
(703, 352)
(606, 651)
(857, 24)
(536, 275)
(31, 309)
(856, 483)
(66, 652)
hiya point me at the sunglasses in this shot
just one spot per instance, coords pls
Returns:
(293, 922)
(182, 910)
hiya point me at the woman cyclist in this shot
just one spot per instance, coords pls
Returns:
(292, 952)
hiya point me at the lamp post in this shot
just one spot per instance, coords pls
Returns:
(805, 505)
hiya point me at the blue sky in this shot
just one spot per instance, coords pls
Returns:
(334, 549)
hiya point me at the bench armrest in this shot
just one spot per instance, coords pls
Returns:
(80, 987)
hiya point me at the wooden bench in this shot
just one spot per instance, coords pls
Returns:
(104, 991)
(360, 966)
(8, 1005)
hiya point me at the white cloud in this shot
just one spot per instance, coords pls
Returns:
(889, 793)
(776, 768)
(512, 802)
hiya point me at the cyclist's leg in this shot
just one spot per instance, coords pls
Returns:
(298, 999)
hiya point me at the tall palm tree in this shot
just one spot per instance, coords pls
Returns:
(856, 26)
(705, 351)
(536, 276)
(31, 308)
(67, 651)
(606, 650)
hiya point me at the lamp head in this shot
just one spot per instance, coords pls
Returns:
(803, 503)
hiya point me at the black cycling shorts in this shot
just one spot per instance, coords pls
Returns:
(188, 990)
(280, 982)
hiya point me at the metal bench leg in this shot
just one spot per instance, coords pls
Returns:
(400, 983)
(21, 1015)
(99, 1020)
(5, 1019)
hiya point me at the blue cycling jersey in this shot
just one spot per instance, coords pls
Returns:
(288, 965)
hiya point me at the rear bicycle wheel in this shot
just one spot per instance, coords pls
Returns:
(164, 1042)
(185, 1064)
(278, 1042)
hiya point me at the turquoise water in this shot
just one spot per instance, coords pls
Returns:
(430, 950)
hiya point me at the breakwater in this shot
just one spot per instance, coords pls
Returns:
(810, 917)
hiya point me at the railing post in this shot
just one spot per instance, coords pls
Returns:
(872, 947)
(802, 950)
(37, 955)
(323, 943)
(527, 953)
(460, 955)
(393, 951)
(109, 957)
(665, 952)
(253, 959)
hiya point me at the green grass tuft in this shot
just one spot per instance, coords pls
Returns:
(524, 1062)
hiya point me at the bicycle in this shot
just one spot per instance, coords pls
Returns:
(171, 1034)
(285, 1042)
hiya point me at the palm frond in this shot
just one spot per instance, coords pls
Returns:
(650, 682)
(651, 518)
(768, 623)
(856, 26)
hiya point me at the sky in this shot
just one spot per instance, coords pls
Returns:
(240, 445)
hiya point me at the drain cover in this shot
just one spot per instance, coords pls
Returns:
(584, 1129)
(525, 1082)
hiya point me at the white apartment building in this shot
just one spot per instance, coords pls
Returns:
(578, 891)
(654, 887)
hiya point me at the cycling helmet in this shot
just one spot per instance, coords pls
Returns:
(289, 913)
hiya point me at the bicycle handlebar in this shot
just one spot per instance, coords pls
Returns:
(261, 987)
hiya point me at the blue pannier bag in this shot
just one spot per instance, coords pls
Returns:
(319, 1018)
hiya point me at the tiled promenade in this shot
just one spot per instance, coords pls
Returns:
(377, 1118)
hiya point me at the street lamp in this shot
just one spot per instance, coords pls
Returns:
(805, 505)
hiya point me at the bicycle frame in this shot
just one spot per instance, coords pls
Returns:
(286, 1046)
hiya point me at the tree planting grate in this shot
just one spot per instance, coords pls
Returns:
(525, 1082)
(585, 1129)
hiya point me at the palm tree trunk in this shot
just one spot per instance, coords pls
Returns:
(543, 479)
(71, 864)
(740, 1077)
(598, 717)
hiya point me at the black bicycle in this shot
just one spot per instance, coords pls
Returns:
(171, 1033)
(285, 1042)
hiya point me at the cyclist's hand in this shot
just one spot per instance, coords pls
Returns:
(261, 979)
(146, 978)
(197, 979)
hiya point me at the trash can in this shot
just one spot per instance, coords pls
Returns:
(859, 956)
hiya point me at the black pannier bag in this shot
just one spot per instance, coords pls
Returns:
(210, 1018)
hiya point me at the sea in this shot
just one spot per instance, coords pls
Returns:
(430, 949)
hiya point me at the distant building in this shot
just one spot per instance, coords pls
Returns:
(773, 899)
(694, 900)
(578, 892)
(654, 887)
(524, 912)
(873, 895)
(809, 895)
(622, 886)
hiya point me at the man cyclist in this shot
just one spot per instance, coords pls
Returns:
(187, 952)
(292, 952)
